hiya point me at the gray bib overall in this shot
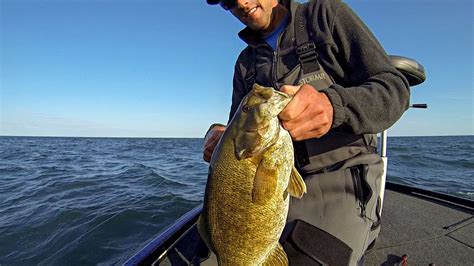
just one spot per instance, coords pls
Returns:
(336, 221)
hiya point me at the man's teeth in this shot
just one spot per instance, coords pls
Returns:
(252, 10)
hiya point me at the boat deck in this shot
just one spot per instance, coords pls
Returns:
(431, 228)
(428, 231)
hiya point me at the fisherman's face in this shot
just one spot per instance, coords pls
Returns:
(255, 14)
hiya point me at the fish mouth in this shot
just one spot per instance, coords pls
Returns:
(251, 148)
(246, 153)
(256, 129)
(243, 154)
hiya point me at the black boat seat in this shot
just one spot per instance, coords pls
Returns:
(413, 71)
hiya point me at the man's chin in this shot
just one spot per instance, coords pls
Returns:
(257, 26)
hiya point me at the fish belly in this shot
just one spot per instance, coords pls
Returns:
(241, 231)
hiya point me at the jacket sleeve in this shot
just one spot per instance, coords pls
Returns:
(374, 94)
(238, 91)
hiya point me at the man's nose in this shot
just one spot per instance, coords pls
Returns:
(242, 3)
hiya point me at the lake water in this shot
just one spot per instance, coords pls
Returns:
(83, 201)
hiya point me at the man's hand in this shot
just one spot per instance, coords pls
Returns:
(212, 138)
(309, 113)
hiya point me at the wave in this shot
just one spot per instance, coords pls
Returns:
(64, 197)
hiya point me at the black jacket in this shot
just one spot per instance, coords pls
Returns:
(369, 94)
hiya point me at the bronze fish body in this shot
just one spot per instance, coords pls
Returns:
(251, 176)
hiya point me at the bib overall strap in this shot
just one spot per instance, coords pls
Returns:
(305, 48)
(308, 151)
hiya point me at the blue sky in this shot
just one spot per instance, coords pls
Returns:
(143, 68)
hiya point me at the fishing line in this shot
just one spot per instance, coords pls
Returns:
(78, 238)
(86, 233)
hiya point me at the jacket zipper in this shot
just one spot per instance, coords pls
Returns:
(274, 61)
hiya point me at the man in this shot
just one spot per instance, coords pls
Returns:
(345, 90)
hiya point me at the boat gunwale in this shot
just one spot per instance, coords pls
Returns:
(160, 244)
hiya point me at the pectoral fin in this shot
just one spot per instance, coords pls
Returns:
(264, 184)
(296, 187)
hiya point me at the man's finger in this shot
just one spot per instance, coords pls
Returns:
(311, 134)
(298, 130)
(208, 151)
(290, 89)
(212, 137)
(294, 108)
(303, 117)
(211, 140)
(315, 127)
(207, 155)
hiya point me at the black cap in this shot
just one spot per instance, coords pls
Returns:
(213, 2)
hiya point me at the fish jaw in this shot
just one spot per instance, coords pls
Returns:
(257, 121)
(252, 143)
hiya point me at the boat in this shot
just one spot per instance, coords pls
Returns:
(419, 227)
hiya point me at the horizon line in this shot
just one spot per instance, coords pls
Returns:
(182, 137)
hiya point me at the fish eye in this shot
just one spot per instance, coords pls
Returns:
(246, 108)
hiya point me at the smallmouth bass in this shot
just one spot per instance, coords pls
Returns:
(251, 176)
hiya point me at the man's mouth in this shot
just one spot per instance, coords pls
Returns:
(251, 11)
